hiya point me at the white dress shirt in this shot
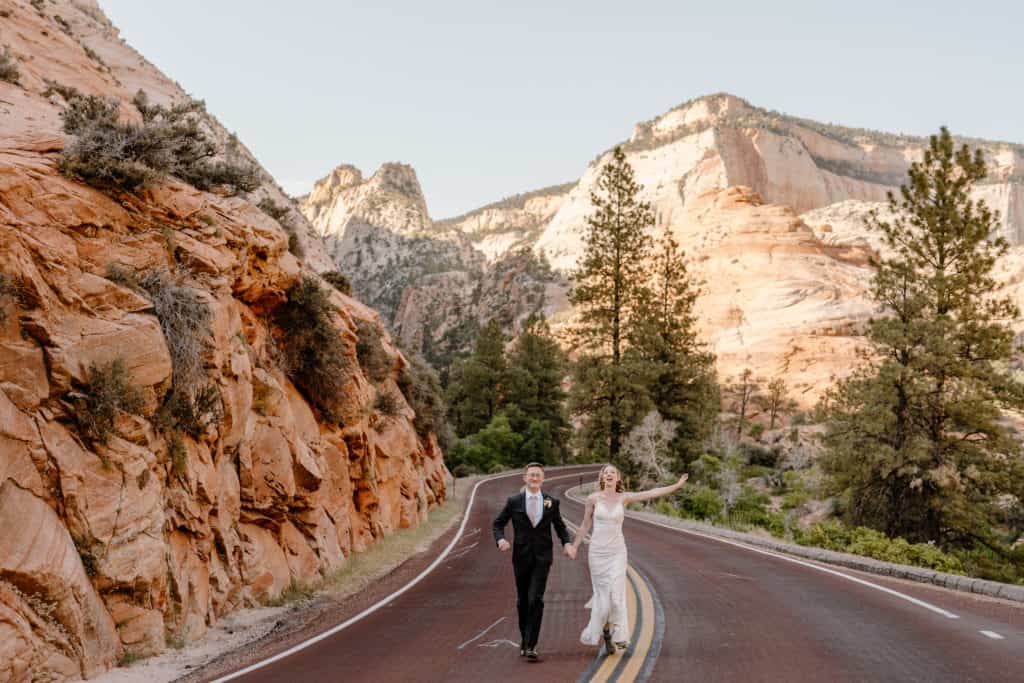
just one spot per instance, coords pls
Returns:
(540, 506)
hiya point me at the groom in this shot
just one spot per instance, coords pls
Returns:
(533, 514)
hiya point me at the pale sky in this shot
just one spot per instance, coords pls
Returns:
(488, 99)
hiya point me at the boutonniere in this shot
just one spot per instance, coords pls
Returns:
(547, 502)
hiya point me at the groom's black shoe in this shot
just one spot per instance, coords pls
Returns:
(522, 648)
(531, 654)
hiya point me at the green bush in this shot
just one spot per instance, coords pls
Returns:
(493, 448)
(751, 507)
(756, 431)
(699, 502)
(108, 153)
(295, 246)
(8, 68)
(833, 535)
(794, 499)
(337, 279)
(758, 455)
(108, 390)
(373, 359)
(314, 353)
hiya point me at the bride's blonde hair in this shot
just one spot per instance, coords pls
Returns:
(619, 488)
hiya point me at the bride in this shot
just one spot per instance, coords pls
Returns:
(607, 557)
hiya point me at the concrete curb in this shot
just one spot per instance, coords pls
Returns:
(994, 589)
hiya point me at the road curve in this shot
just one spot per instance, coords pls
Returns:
(735, 614)
(728, 613)
(458, 623)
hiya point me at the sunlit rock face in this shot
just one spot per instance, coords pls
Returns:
(117, 549)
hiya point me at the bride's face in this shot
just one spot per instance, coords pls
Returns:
(609, 477)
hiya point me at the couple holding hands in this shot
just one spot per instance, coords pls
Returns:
(533, 515)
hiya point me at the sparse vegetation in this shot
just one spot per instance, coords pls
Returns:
(111, 154)
(373, 359)
(6, 295)
(314, 353)
(177, 454)
(273, 209)
(8, 69)
(185, 320)
(339, 281)
(419, 384)
(108, 390)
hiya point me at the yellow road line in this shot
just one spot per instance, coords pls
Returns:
(639, 602)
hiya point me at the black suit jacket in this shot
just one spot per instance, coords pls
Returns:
(531, 541)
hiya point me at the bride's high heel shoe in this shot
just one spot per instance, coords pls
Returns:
(607, 635)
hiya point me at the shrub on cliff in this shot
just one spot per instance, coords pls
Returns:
(108, 390)
(109, 153)
(339, 281)
(373, 359)
(185, 319)
(8, 69)
(314, 353)
(419, 384)
(6, 294)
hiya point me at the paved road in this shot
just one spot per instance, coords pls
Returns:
(732, 614)
(459, 622)
(729, 614)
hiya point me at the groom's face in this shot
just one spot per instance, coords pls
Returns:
(534, 477)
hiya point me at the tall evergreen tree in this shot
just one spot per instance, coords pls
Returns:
(534, 398)
(915, 439)
(683, 387)
(474, 383)
(608, 291)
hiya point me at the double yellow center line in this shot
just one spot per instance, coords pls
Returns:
(626, 666)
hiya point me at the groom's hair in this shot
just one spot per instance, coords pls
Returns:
(534, 464)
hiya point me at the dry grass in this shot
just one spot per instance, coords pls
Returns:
(387, 554)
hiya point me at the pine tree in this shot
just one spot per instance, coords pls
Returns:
(683, 387)
(534, 399)
(915, 439)
(608, 291)
(474, 383)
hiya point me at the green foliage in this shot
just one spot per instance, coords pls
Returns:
(295, 246)
(314, 352)
(494, 446)
(699, 502)
(8, 67)
(609, 292)
(474, 383)
(833, 535)
(338, 280)
(108, 390)
(915, 442)
(756, 431)
(759, 455)
(419, 384)
(682, 385)
(109, 153)
(373, 358)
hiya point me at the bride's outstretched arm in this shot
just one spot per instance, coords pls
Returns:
(654, 493)
(588, 516)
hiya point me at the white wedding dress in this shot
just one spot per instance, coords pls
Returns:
(607, 560)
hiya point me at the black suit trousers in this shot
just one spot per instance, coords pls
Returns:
(531, 580)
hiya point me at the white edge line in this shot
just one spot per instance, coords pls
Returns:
(992, 634)
(373, 608)
(481, 634)
(902, 596)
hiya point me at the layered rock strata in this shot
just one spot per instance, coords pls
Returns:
(119, 547)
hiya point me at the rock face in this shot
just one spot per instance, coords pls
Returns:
(117, 548)
(434, 283)
(769, 208)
